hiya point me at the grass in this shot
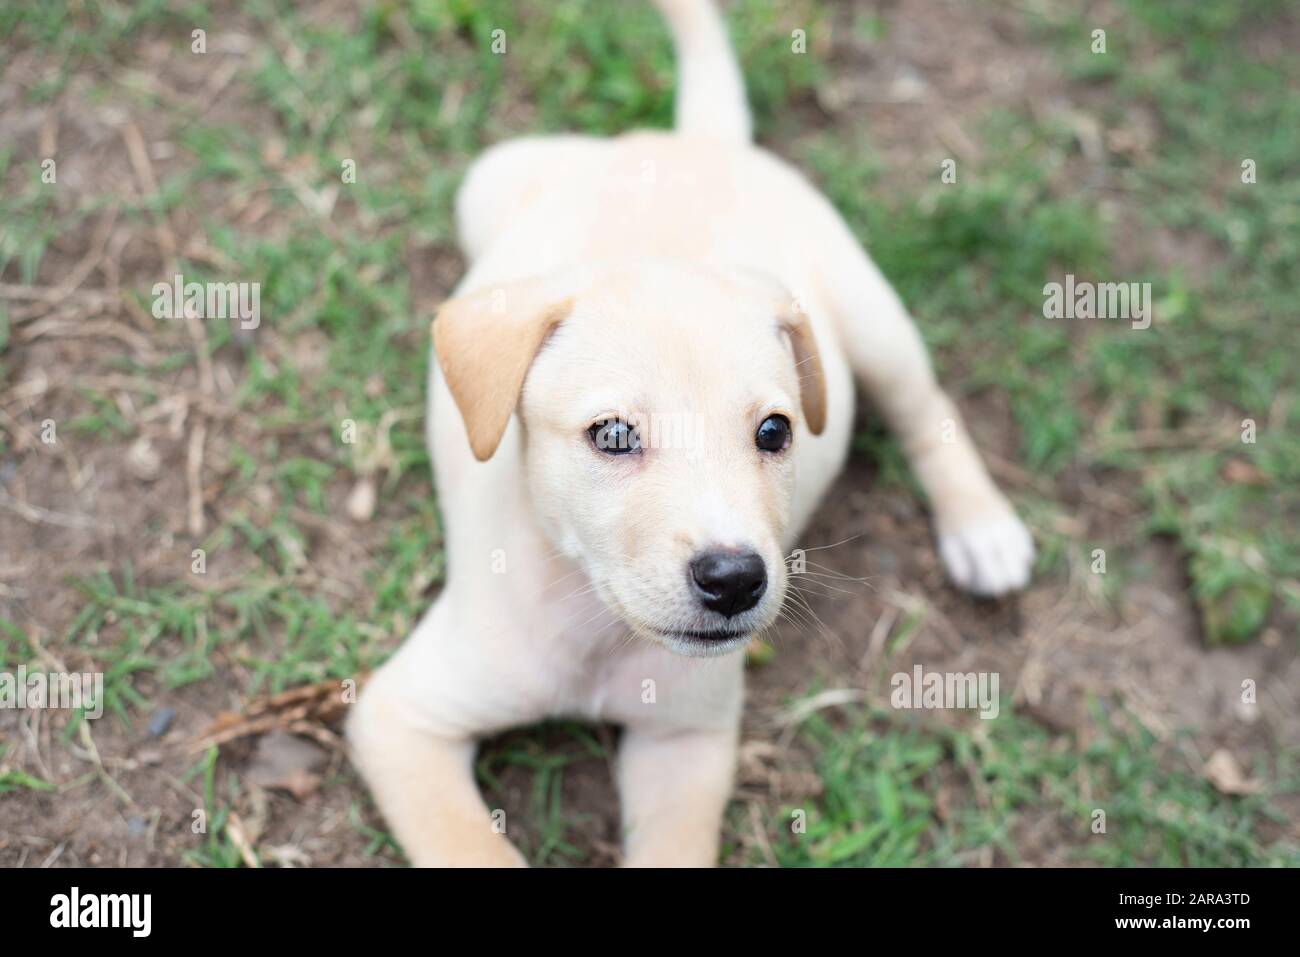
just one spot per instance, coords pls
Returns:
(890, 784)
(350, 346)
(1221, 353)
(546, 754)
(213, 819)
(12, 780)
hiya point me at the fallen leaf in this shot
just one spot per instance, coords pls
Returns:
(143, 460)
(361, 501)
(305, 710)
(1241, 472)
(287, 855)
(243, 842)
(1223, 771)
(287, 763)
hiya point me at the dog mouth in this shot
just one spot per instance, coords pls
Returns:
(716, 634)
(703, 642)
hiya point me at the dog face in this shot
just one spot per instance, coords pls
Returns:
(660, 407)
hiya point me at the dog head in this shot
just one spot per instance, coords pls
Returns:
(660, 404)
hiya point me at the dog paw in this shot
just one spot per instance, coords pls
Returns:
(989, 557)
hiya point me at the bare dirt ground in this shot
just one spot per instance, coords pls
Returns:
(79, 507)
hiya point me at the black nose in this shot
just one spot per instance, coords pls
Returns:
(728, 582)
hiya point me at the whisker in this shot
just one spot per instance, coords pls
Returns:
(837, 574)
(819, 548)
(578, 592)
(832, 589)
(552, 584)
(799, 601)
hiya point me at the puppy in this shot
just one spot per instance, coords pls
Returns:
(641, 390)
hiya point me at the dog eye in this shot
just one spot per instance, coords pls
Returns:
(774, 434)
(614, 437)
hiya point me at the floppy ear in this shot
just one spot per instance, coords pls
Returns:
(808, 366)
(485, 343)
(794, 322)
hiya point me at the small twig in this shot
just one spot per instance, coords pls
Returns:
(23, 293)
(194, 474)
(760, 835)
(44, 516)
(1142, 440)
(71, 327)
(879, 635)
(166, 238)
(89, 743)
(791, 719)
(140, 162)
(92, 258)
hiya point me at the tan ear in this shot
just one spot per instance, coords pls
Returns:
(485, 343)
(808, 366)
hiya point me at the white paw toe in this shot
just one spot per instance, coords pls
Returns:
(990, 557)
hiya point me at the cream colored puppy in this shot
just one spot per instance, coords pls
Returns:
(642, 388)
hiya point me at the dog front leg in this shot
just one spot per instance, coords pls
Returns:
(424, 786)
(674, 789)
(984, 545)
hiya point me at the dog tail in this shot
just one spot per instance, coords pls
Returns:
(710, 90)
